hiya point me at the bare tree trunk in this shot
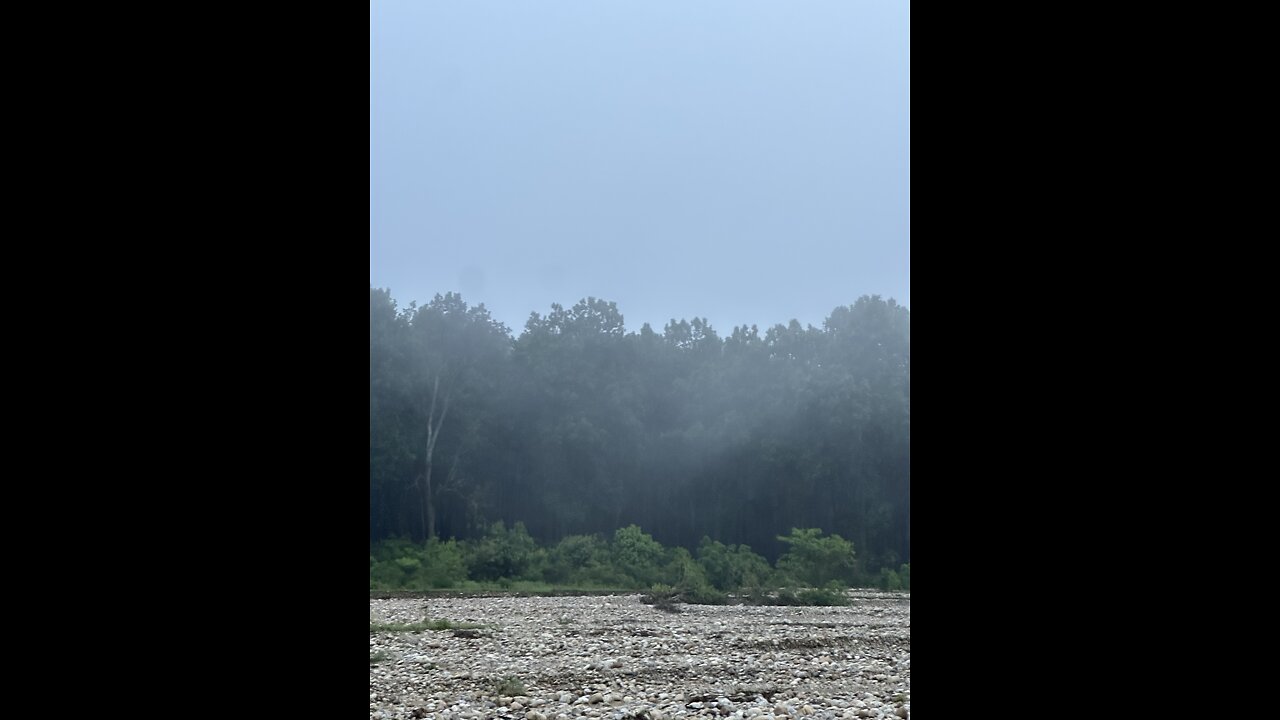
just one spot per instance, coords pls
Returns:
(433, 434)
(417, 483)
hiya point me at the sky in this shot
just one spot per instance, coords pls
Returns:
(738, 160)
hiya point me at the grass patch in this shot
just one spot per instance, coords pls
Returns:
(509, 686)
(662, 597)
(516, 589)
(380, 656)
(437, 625)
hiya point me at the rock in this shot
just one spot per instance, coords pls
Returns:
(646, 665)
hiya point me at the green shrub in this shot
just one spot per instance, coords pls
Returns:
(815, 561)
(732, 567)
(509, 686)
(704, 595)
(391, 548)
(637, 556)
(827, 597)
(690, 580)
(399, 564)
(904, 572)
(581, 560)
(662, 597)
(889, 580)
(443, 565)
(409, 565)
(503, 553)
(386, 576)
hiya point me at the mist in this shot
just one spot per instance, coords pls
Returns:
(574, 426)
(638, 264)
(746, 162)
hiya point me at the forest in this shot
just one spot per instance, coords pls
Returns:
(577, 429)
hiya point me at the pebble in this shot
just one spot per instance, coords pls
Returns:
(621, 659)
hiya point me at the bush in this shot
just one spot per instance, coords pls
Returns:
(399, 564)
(904, 572)
(733, 567)
(823, 596)
(580, 560)
(386, 576)
(662, 597)
(503, 553)
(391, 548)
(637, 556)
(510, 686)
(889, 580)
(815, 561)
(827, 597)
(443, 564)
(690, 580)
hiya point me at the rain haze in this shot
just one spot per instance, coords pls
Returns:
(746, 162)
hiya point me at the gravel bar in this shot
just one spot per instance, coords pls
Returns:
(614, 657)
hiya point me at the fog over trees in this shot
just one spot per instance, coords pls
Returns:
(577, 426)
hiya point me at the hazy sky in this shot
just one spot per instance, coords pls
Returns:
(744, 161)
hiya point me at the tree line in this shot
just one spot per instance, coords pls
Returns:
(813, 571)
(576, 427)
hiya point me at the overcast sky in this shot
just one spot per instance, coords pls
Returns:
(744, 161)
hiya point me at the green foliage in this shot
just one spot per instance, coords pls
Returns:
(437, 625)
(704, 595)
(889, 580)
(690, 580)
(399, 564)
(443, 562)
(814, 561)
(578, 422)
(904, 572)
(733, 567)
(637, 556)
(824, 597)
(503, 553)
(509, 686)
(662, 597)
(386, 576)
(582, 560)
(391, 549)
(509, 559)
